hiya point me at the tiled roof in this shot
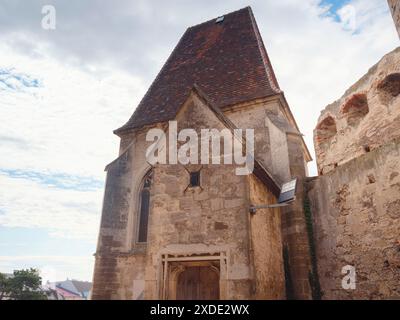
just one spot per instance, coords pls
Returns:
(227, 60)
(82, 286)
(75, 286)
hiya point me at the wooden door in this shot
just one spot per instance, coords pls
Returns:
(198, 283)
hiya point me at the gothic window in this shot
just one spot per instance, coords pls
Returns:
(144, 207)
(355, 109)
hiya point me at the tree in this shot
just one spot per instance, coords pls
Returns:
(23, 285)
(3, 286)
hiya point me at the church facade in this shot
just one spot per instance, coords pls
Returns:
(159, 232)
(186, 231)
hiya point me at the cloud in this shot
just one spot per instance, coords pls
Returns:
(10, 80)
(316, 57)
(57, 180)
(14, 142)
(67, 121)
(62, 212)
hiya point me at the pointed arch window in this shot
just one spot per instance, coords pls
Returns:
(144, 207)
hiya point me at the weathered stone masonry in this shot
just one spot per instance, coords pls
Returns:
(356, 199)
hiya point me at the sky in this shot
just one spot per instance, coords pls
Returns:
(63, 92)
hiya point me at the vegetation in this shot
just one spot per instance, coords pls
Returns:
(288, 277)
(313, 275)
(22, 285)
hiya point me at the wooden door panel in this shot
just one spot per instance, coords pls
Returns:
(198, 283)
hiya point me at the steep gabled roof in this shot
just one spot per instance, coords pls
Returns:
(227, 60)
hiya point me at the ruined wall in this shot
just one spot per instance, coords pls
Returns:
(266, 245)
(356, 211)
(395, 9)
(355, 200)
(364, 118)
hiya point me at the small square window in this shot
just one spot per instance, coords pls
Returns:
(195, 179)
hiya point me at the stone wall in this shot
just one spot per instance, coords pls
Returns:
(116, 241)
(112, 234)
(395, 8)
(356, 210)
(200, 221)
(280, 147)
(364, 118)
(266, 245)
(294, 226)
(355, 199)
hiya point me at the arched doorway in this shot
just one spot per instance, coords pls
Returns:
(198, 283)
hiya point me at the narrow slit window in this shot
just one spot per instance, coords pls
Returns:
(144, 208)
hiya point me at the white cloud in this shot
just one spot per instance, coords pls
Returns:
(67, 122)
(348, 17)
(64, 213)
(316, 58)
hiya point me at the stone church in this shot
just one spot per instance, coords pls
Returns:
(186, 231)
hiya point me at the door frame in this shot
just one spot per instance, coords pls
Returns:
(172, 265)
